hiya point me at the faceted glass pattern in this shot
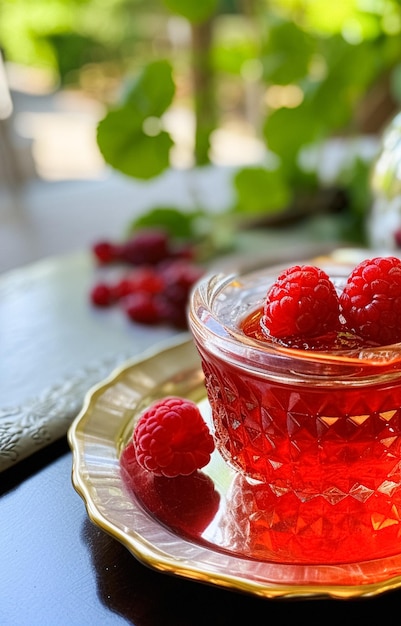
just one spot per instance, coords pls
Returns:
(315, 437)
(329, 464)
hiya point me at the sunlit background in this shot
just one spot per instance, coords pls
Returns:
(286, 99)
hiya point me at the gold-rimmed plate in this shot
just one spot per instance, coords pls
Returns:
(185, 527)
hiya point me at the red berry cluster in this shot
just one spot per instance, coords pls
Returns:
(172, 439)
(303, 302)
(155, 289)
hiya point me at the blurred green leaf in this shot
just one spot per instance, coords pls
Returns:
(396, 83)
(74, 50)
(287, 130)
(127, 149)
(333, 17)
(195, 11)
(209, 234)
(177, 223)
(261, 191)
(329, 102)
(234, 45)
(230, 57)
(286, 54)
(152, 91)
(350, 70)
(355, 179)
(130, 137)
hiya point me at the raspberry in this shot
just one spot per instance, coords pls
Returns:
(146, 279)
(142, 307)
(171, 313)
(302, 302)
(179, 277)
(397, 238)
(157, 289)
(186, 504)
(172, 439)
(146, 247)
(105, 252)
(102, 295)
(123, 287)
(371, 300)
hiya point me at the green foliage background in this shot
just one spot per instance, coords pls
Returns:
(332, 54)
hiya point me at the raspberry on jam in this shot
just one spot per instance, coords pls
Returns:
(302, 309)
(302, 302)
(371, 300)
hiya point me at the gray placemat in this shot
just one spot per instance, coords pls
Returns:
(42, 420)
(54, 346)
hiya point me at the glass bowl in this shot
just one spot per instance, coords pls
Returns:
(314, 435)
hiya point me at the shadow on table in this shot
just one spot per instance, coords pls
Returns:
(145, 597)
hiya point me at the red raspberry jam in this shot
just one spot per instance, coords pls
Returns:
(313, 429)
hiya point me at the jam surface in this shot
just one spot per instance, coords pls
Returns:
(333, 341)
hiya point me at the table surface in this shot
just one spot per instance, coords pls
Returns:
(57, 567)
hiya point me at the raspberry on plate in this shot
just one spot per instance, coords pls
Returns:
(371, 300)
(302, 302)
(172, 439)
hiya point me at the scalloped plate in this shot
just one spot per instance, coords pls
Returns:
(181, 527)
